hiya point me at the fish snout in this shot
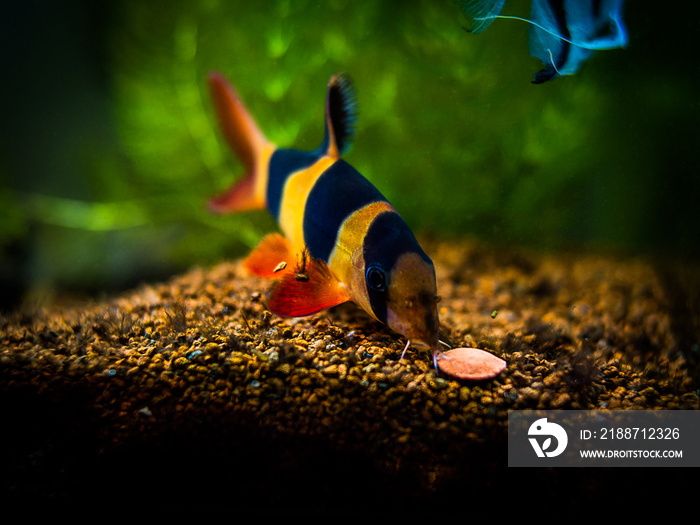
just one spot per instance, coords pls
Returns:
(416, 318)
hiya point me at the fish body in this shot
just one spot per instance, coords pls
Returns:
(341, 239)
(562, 33)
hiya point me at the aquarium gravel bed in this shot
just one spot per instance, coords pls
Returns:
(190, 390)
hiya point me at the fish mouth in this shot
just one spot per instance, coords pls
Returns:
(418, 322)
(420, 344)
(419, 339)
(418, 335)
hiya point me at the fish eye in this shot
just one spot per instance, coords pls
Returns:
(376, 278)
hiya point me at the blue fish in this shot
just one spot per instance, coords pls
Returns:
(562, 34)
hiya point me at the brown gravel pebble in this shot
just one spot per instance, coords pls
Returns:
(192, 379)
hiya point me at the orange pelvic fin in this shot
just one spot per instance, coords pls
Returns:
(306, 289)
(250, 144)
(271, 257)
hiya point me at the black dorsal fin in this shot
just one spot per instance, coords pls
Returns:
(341, 116)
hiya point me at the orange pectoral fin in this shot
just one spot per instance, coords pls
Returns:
(271, 257)
(299, 294)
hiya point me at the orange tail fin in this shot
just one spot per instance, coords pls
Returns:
(250, 144)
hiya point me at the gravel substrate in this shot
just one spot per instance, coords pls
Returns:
(196, 395)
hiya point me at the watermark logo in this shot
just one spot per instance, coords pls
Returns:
(603, 438)
(541, 435)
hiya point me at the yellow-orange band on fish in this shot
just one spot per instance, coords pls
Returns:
(296, 191)
(348, 252)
